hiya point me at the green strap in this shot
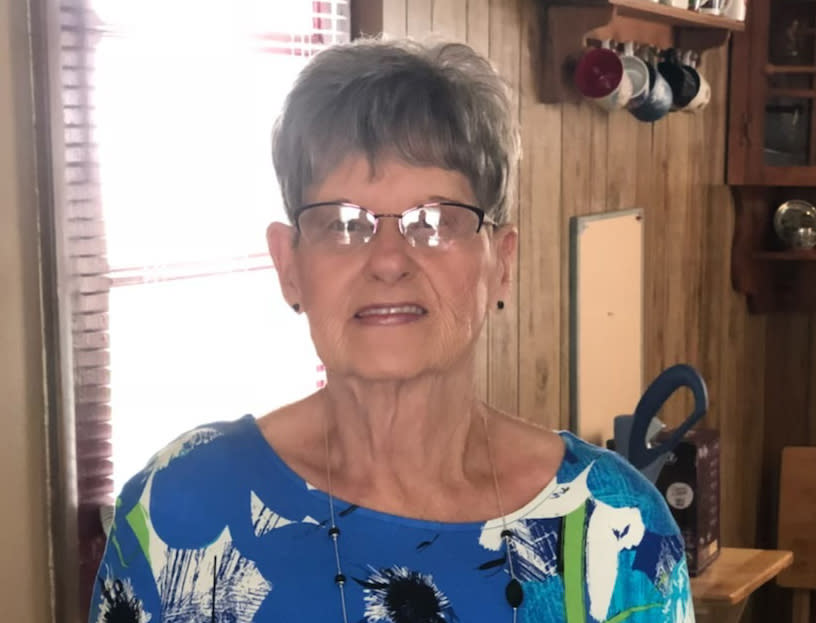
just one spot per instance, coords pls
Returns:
(115, 542)
(573, 553)
(622, 616)
(137, 518)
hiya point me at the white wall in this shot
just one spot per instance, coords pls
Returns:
(24, 588)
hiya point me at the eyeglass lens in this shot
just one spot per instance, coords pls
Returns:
(430, 225)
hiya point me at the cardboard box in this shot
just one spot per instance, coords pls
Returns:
(690, 484)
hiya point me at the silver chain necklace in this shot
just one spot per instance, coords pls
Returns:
(513, 592)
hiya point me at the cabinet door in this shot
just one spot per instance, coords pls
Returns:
(788, 88)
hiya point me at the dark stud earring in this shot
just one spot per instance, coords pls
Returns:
(500, 304)
(296, 307)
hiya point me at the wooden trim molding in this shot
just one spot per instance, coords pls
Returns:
(59, 422)
(366, 17)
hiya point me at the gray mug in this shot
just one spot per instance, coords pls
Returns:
(658, 102)
(638, 73)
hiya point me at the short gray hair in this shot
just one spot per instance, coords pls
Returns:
(438, 104)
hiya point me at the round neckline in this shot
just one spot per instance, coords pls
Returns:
(494, 523)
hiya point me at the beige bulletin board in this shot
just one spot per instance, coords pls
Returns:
(606, 320)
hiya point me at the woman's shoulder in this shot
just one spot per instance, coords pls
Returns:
(213, 476)
(613, 481)
(195, 443)
(195, 456)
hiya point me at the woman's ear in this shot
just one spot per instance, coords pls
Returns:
(505, 241)
(280, 238)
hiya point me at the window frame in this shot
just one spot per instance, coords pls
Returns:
(64, 513)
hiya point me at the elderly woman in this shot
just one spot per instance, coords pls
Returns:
(393, 494)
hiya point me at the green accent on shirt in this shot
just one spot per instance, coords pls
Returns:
(115, 542)
(622, 616)
(574, 540)
(137, 519)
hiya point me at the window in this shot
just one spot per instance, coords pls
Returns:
(168, 185)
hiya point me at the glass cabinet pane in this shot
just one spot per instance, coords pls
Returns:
(791, 36)
(789, 132)
(790, 117)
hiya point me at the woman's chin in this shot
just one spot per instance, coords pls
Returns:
(396, 365)
(386, 369)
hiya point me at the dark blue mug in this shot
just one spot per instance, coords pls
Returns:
(658, 101)
(683, 85)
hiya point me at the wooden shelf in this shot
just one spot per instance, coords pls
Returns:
(772, 279)
(645, 9)
(566, 27)
(792, 255)
(775, 70)
(796, 93)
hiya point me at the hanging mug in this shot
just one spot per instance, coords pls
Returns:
(658, 101)
(680, 79)
(600, 77)
(638, 74)
(735, 9)
(702, 96)
(712, 7)
(732, 9)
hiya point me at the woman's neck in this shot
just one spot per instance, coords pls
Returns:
(401, 435)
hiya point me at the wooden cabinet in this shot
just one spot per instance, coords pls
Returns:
(567, 27)
(772, 150)
(773, 278)
(772, 134)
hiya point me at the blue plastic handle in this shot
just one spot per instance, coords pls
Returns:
(667, 382)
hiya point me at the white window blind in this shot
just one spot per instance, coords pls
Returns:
(168, 107)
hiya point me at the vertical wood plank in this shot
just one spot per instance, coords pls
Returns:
(576, 200)
(478, 26)
(801, 606)
(717, 223)
(622, 161)
(394, 17)
(540, 240)
(676, 239)
(655, 252)
(645, 182)
(478, 37)
(698, 160)
(598, 155)
(785, 397)
(418, 18)
(449, 19)
(505, 53)
(810, 410)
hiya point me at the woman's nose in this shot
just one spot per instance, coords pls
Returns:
(389, 257)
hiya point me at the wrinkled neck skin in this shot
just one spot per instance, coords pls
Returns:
(401, 435)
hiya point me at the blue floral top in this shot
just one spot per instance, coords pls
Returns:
(218, 528)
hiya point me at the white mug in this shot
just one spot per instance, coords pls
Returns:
(712, 7)
(638, 74)
(703, 95)
(735, 9)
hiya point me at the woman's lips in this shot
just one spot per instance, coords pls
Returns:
(390, 314)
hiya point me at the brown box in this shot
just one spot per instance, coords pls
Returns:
(690, 484)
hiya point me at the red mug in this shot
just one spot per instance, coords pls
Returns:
(600, 77)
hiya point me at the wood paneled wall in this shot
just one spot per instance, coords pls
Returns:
(579, 160)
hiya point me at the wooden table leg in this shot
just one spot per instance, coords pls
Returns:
(718, 612)
(801, 605)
